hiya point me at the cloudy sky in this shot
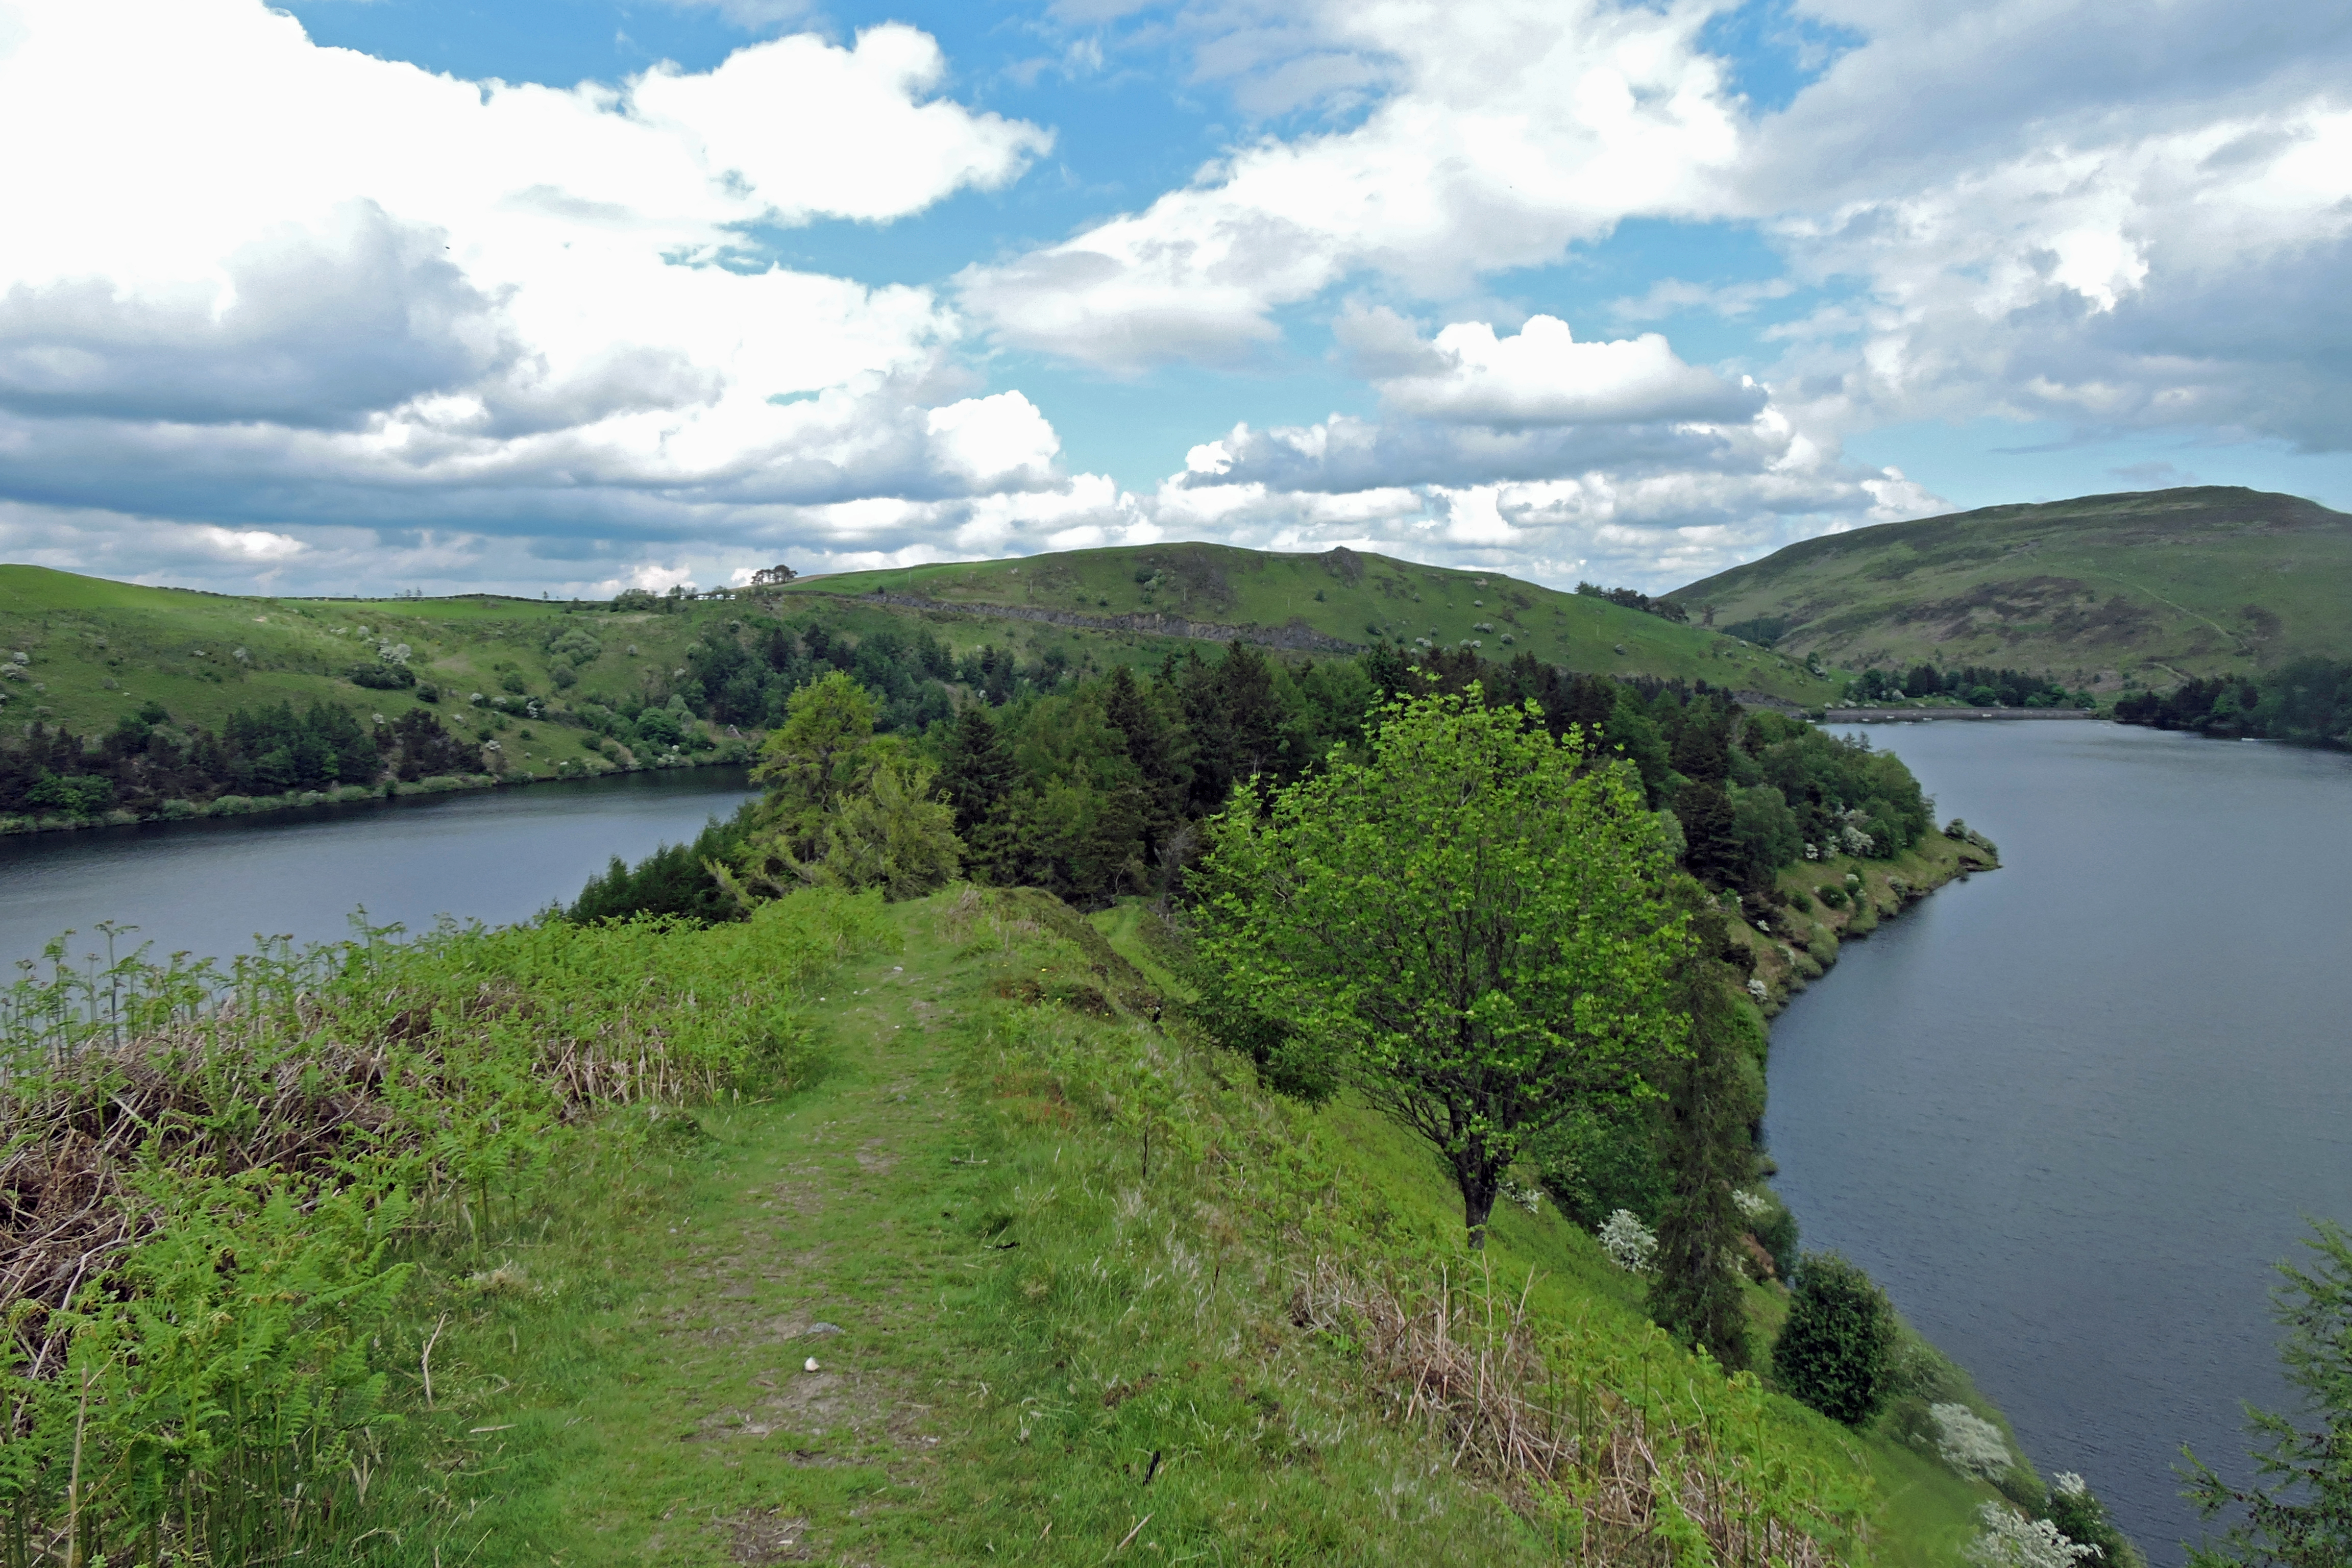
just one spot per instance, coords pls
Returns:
(568, 295)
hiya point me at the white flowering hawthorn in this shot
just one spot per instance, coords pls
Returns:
(1629, 1243)
(1968, 1442)
(2013, 1540)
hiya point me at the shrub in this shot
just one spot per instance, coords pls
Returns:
(1629, 1243)
(1831, 896)
(1968, 1442)
(383, 676)
(1776, 1231)
(2081, 1517)
(2013, 1540)
(1836, 1348)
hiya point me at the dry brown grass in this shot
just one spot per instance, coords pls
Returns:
(1464, 1363)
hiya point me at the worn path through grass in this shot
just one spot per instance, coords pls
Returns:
(820, 1227)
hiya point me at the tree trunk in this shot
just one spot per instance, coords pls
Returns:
(1479, 1184)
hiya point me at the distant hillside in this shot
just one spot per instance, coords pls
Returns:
(1335, 602)
(97, 650)
(2152, 585)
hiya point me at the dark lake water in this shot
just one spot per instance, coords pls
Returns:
(209, 886)
(2069, 1113)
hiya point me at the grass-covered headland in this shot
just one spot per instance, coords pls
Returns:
(875, 1214)
(854, 1232)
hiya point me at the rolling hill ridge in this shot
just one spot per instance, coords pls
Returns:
(2102, 592)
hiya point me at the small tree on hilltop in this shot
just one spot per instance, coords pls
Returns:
(1469, 922)
(2298, 1512)
(1837, 1346)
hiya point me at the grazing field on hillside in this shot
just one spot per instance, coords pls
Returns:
(2141, 589)
(1334, 601)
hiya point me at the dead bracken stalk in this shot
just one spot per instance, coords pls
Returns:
(1461, 1362)
(72, 1138)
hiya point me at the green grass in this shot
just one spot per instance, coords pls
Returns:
(1341, 594)
(2149, 585)
(1028, 1318)
(100, 650)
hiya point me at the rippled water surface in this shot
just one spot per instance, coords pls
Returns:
(209, 886)
(2070, 1111)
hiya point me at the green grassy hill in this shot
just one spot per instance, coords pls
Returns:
(1336, 600)
(2146, 587)
(99, 649)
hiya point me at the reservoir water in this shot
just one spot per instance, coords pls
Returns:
(209, 886)
(2069, 1113)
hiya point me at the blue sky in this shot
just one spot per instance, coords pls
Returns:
(573, 295)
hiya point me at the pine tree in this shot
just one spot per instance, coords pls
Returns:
(1695, 1292)
(978, 770)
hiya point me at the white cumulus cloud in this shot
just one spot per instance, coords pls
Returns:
(254, 282)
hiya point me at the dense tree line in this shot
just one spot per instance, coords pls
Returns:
(1092, 787)
(1977, 685)
(2308, 701)
(1634, 599)
(148, 759)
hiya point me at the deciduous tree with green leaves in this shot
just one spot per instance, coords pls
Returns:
(1469, 921)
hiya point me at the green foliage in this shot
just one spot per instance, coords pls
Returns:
(2308, 701)
(843, 808)
(2298, 1512)
(2081, 1517)
(197, 1363)
(1466, 920)
(1711, 1099)
(675, 879)
(1836, 1347)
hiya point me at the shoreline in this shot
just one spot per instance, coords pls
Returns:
(227, 807)
(1798, 947)
(1901, 715)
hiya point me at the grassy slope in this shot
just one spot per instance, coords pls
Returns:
(1342, 595)
(2151, 584)
(1026, 1317)
(101, 648)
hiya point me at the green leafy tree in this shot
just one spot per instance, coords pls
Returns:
(1836, 1349)
(2297, 1511)
(1695, 1288)
(845, 808)
(1468, 919)
(818, 755)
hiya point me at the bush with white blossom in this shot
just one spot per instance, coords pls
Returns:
(2013, 1540)
(1629, 1243)
(1751, 1205)
(1968, 1442)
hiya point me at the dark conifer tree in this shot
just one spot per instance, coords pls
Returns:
(1155, 747)
(978, 770)
(1710, 835)
(1704, 1152)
